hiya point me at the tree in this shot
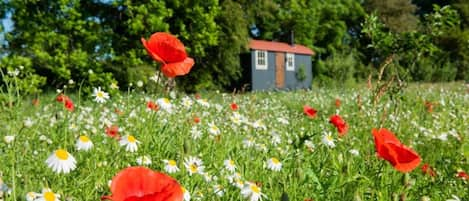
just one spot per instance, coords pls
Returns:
(397, 15)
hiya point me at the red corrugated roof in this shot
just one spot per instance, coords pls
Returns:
(279, 47)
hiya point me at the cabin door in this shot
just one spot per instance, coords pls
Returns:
(280, 70)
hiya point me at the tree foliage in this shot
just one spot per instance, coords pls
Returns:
(96, 43)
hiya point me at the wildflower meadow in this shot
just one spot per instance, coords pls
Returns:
(254, 146)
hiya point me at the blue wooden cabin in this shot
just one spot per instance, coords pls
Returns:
(277, 65)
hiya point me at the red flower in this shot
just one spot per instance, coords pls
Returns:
(427, 169)
(69, 104)
(337, 102)
(429, 105)
(113, 131)
(340, 124)
(169, 51)
(35, 102)
(390, 148)
(197, 96)
(234, 106)
(61, 97)
(152, 106)
(309, 111)
(463, 175)
(143, 184)
(196, 120)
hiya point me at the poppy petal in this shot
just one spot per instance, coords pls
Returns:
(309, 111)
(140, 183)
(167, 47)
(178, 68)
(406, 158)
(391, 149)
(151, 52)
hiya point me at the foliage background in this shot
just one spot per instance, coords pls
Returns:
(96, 43)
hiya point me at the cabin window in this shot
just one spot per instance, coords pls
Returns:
(261, 60)
(290, 61)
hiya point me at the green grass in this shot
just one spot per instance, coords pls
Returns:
(320, 173)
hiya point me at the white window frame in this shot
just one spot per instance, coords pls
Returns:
(258, 59)
(290, 61)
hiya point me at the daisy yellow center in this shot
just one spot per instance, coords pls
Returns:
(100, 94)
(131, 139)
(275, 161)
(255, 189)
(166, 100)
(61, 154)
(329, 137)
(49, 196)
(193, 167)
(84, 138)
(231, 162)
(183, 190)
(172, 162)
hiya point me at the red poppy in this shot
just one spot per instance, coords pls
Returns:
(61, 97)
(35, 102)
(169, 51)
(463, 175)
(113, 131)
(143, 184)
(309, 111)
(152, 106)
(427, 169)
(234, 106)
(69, 104)
(429, 105)
(340, 124)
(196, 120)
(390, 148)
(337, 102)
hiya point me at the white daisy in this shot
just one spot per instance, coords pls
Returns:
(9, 138)
(213, 129)
(252, 192)
(170, 166)
(100, 96)
(203, 102)
(61, 161)
(28, 122)
(129, 142)
(218, 190)
(155, 78)
(84, 143)
(283, 120)
(230, 165)
(144, 160)
(248, 142)
(31, 196)
(47, 195)
(186, 194)
(354, 152)
(274, 164)
(194, 165)
(165, 104)
(187, 102)
(328, 140)
(195, 133)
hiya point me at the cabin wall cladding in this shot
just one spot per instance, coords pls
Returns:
(263, 79)
(291, 81)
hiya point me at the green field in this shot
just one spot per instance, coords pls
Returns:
(266, 125)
